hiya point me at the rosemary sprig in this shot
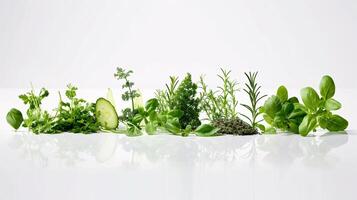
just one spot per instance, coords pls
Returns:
(164, 97)
(220, 104)
(253, 91)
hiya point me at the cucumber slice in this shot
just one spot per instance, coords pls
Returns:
(106, 114)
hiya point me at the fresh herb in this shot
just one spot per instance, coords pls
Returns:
(220, 104)
(14, 118)
(186, 101)
(38, 120)
(319, 109)
(253, 91)
(314, 112)
(165, 97)
(282, 112)
(129, 95)
(77, 115)
(206, 130)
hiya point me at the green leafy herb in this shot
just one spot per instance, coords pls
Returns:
(320, 109)
(253, 91)
(206, 130)
(185, 100)
(314, 112)
(77, 115)
(165, 97)
(129, 95)
(14, 118)
(220, 104)
(282, 112)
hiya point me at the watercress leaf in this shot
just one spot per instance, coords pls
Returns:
(332, 104)
(327, 87)
(282, 93)
(272, 105)
(307, 125)
(151, 105)
(14, 118)
(310, 98)
(205, 130)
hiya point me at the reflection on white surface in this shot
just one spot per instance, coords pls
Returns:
(110, 166)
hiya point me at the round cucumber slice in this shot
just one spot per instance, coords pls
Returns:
(106, 114)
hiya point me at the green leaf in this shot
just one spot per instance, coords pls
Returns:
(14, 118)
(268, 119)
(151, 105)
(173, 126)
(293, 100)
(333, 123)
(206, 130)
(272, 105)
(270, 130)
(332, 104)
(150, 128)
(307, 125)
(327, 87)
(176, 113)
(282, 93)
(310, 98)
(261, 127)
(287, 108)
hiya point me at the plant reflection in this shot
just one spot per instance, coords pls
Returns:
(132, 152)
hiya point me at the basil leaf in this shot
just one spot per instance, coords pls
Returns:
(14, 118)
(206, 130)
(333, 123)
(332, 104)
(268, 119)
(307, 125)
(282, 93)
(151, 105)
(287, 108)
(327, 87)
(272, 105)
(173, 126)
(310, 98)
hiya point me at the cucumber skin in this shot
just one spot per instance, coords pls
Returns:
(107, 103)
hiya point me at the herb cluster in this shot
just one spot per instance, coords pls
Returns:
(177, 108)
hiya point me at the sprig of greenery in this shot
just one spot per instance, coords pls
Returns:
(129, 94)
(77, 115)
(253, 91)
(186, 101)
(165, 97)
(220, 104)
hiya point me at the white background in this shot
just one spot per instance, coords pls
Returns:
(52, 43)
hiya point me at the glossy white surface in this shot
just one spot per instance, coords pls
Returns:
(163, 167)
(109, 166)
